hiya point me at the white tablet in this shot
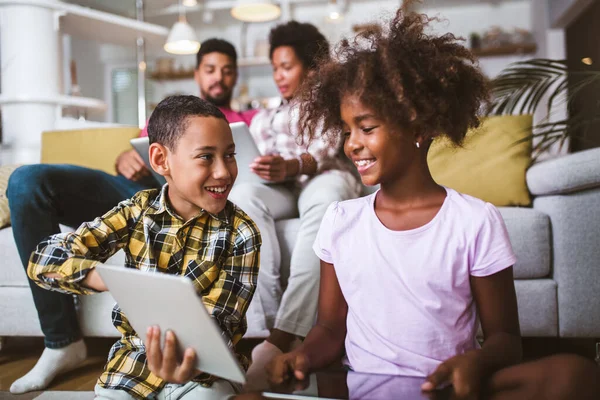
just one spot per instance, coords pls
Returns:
(247, 151)
(142, 146)
(171, 302)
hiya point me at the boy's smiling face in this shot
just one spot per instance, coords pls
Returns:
(201, 169)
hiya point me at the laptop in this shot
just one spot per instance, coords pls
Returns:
(245, 147)
(153, 298)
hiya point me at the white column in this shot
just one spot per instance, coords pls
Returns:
(30, 55)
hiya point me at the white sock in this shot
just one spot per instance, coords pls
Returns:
(51, 363)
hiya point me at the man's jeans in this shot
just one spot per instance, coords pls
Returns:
(41, 197)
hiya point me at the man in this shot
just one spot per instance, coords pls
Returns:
(43, 196)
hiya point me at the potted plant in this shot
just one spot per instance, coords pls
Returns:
(525, 86)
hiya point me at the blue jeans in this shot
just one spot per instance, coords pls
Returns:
(41, 197)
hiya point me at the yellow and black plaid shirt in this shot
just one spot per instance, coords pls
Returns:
(219, 253)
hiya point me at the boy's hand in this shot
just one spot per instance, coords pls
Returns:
(93, 281)
(131, 166)
(464, 372)
(272, 168)
(163, 363)
(286, 366)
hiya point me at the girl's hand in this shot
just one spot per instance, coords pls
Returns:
(464, 372)
(163, 363)
(286, 366)
(271, 168)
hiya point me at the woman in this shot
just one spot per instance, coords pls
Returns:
(304, 180)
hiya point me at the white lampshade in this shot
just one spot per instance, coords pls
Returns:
(255, 10)
(190, 3)
(182, 39)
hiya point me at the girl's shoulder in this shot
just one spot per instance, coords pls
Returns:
(348, 215)
(467, 203)
(354, 206)
(472, 209)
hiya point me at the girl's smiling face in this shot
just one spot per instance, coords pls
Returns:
(379, 153)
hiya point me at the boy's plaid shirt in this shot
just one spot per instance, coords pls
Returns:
(219, 253)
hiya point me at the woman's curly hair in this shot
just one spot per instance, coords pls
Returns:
(416, 82)
(308, 43)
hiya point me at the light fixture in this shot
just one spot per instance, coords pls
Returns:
(255, 10)
(182, 38)
(190, 3)
(587, 61)
(334, 10)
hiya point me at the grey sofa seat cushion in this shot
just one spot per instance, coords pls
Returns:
(529, 232)
(12, 272)
(538, 307)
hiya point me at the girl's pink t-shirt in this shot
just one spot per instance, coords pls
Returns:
(410, 305)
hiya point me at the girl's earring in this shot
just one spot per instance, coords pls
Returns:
(418, 144)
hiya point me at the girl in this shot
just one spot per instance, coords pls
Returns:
(407, 272)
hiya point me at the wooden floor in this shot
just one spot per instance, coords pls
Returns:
(19, 355)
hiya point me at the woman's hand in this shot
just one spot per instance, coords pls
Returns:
(272, 168)
(464, 372)
(287, 366)
(163, 363)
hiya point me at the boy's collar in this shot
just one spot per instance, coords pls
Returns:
(161, 205)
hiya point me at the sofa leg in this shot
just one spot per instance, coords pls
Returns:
(2, 342)
(597, 359)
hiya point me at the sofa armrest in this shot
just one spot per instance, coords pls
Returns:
(568, 191)
(572, 173)
(95, 148)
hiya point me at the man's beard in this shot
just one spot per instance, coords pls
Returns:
(223, 101)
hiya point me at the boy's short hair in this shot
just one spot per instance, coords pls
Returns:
(169, 120)
(215, 45)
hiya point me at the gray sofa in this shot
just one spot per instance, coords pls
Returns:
(557, 275)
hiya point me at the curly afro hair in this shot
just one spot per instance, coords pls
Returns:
(416, 82)
(309, 44)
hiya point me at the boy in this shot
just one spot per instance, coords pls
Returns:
(187, 228)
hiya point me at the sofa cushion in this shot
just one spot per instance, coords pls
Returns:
(529, 232)
(5, 172)
(492, 162)
(11, 269)
(538, 307)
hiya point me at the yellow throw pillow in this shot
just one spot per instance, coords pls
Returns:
(95, 148)
(5, 171)
(491, 164)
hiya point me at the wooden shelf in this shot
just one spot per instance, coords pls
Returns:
(506, 50)
(60, 100)
(172, 76)
(189, 74)
(253, 62)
